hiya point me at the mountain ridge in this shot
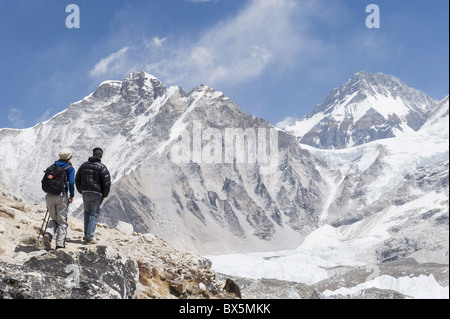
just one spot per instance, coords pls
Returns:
(367, 107)
(211, 206)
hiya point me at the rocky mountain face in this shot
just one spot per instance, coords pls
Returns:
(394, 189)
(184, 165)
(124, 264)
(194, 169)
(366, 108)
(384, 224)
(191, 168)
(129, 265)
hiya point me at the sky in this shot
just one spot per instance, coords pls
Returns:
(276, 59)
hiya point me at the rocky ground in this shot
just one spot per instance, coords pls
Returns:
(126, 264)
(123, 264)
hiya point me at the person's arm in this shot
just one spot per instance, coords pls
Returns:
(78, 181)
(71, 174)
(106, 182)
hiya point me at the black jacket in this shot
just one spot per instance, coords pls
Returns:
(93, 176)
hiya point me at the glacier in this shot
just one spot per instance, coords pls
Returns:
(355, 245)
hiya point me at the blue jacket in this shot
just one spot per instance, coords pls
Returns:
(70, 177)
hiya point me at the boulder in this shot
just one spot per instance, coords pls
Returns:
(125, 228)
(92, 273)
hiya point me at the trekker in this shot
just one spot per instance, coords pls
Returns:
(93, 181)
(58, 204)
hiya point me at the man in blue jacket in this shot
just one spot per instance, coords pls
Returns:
(58, 205)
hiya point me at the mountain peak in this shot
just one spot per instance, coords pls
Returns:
(367, 107)
(142, 84)
(134, 76)
(135, 84)
(143, 80)
(373, 83)
(361, 74)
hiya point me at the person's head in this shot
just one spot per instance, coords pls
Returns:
(97, 152)
(65, 155)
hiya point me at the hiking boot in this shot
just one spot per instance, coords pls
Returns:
(91, 242)
(88, 241)
(47, 241)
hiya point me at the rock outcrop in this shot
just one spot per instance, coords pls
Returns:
(123, 264)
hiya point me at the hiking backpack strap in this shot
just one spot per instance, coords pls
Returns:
(66, 169)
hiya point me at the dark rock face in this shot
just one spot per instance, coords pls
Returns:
(97, 273)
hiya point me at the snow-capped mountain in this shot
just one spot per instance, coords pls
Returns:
(195, 170)
(438, 116)
(384, 227)
(366, 108)
(211, 204)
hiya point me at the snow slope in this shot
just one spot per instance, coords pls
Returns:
(367, 107)
(422, 287)
(384, 199)
(420, 216)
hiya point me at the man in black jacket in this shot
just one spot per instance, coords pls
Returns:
(93, 181)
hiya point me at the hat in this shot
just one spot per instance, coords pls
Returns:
(97, 152)
(65, 154)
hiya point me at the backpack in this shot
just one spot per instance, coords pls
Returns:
(54, 179)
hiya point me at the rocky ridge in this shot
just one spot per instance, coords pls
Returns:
(368, 107)
(123, 263)
(212, 205)
(393, 191)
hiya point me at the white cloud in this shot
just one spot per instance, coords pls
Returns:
(45, 116)
(113, 61)
(265, 36)
(157, 42)
(285, 122)
(15, 118)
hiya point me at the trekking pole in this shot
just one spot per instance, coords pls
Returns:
(45, 221)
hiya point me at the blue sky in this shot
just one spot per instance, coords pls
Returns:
(276, 59)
